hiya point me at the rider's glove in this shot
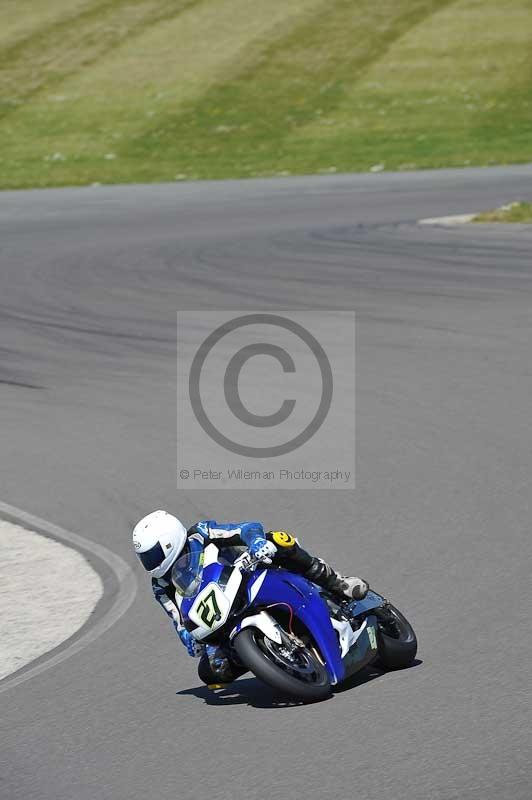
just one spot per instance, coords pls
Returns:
(263, 550)
(194, 648)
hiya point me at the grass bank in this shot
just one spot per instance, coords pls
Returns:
(159, 90)
(513, 212)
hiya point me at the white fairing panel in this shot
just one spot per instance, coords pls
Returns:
(346, 635)
(264, 622)
(213, 605)
(210, 555)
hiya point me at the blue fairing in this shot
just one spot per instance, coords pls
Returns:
(304, 599)
(275, 586)
(371, 600)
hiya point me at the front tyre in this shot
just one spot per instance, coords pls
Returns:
(299, 674)
(396, 637)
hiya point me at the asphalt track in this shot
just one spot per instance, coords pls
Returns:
(90, 281)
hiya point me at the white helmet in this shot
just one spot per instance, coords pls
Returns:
(158, 540)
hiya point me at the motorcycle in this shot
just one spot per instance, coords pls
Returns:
(293, 635)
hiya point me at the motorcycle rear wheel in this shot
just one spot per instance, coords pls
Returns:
(306, 679)
(396, 637)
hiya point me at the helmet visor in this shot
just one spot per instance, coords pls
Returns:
(152, 558)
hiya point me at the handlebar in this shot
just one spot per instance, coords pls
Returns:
(246, 562)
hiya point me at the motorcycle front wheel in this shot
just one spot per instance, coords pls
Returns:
(298, 674)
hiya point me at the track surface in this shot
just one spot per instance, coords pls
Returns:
(440, 520)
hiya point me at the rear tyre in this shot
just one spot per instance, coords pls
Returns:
(397, 640)
(303, 677)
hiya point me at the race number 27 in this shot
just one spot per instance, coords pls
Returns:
(209, 610)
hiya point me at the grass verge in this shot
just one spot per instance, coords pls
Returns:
(513, 212)
(156, 90)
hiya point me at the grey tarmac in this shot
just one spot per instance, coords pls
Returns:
(90, 280)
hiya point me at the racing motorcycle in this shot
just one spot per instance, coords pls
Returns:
(292, 634)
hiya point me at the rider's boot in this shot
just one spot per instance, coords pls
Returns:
(344, 587)
(220, 664)
(216, 669)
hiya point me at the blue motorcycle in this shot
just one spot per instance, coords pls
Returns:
(296, 637)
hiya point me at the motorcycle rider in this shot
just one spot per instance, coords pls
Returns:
(160, 539)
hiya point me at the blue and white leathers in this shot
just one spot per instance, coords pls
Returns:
(248, 532)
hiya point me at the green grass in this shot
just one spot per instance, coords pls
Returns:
(157, 90)
(513, 212)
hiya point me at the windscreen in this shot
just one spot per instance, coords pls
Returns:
(187, 571)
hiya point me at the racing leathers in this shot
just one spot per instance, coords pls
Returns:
(278, 547)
